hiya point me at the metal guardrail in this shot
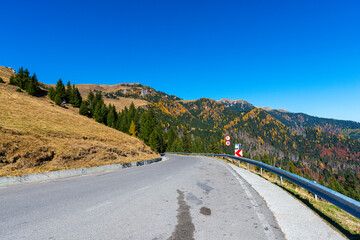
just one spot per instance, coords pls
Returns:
(348, 204)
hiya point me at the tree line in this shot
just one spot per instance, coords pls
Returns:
(146, 125)
(25, 81)
(69, 94)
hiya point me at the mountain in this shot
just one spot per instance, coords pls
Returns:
(298, 121)
(37, 136)
(237, 105)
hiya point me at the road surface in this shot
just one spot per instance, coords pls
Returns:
(180, 198)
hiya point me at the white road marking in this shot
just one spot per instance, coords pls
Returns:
(266, 226)
(98, 206)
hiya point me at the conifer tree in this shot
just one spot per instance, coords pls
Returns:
(90, 98)
(104, 113)
(57, 99)
(97, 113)
(119, 122)
(52, 93)
(148, 123)
(153, 141)
(31, 88)
(132, 111)
(84, 109)
(68, 93)
(111, 117)
(187, 143)
(60, 91)
(137, 121)
(76, 98)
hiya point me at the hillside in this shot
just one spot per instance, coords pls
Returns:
(237, 105)
(119, 102)
(298, 121)
(36, 136)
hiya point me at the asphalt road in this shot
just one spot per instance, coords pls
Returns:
(180, 198)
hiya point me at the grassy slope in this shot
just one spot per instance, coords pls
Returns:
(119, 103)
(36, 136)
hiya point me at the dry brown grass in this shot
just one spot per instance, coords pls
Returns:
(85, 88)
(37, 135)
(336, 217)
(120, 103)
(5, 73)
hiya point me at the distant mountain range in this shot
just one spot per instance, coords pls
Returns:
(297, 121)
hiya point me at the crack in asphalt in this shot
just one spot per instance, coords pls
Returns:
(185, 228)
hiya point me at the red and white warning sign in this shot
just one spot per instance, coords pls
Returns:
(227, 143)
(227, 138)
(239, 153)
(238, 150)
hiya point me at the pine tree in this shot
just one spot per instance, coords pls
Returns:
(172, 136)
(161, 140)
(57, 99)
(119, 122)
(104, 113)
(68, 93)
(137, 121)
(125, 124)
(60, 91)
(187, 143)
(148, 123)
(76, 97)
(132, 129)
(111, 117)
(30, 88)
(52, 93)
(23, 79)
(84, 109)
(97, 113)
(90, 98)
(132, 111)
(153, 141)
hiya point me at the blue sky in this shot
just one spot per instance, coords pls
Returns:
(302, 56)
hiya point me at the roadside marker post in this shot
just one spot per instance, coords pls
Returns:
(238, 150)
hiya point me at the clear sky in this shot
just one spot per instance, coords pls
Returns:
(302, 56)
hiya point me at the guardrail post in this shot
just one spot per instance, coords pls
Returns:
(315, 194)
